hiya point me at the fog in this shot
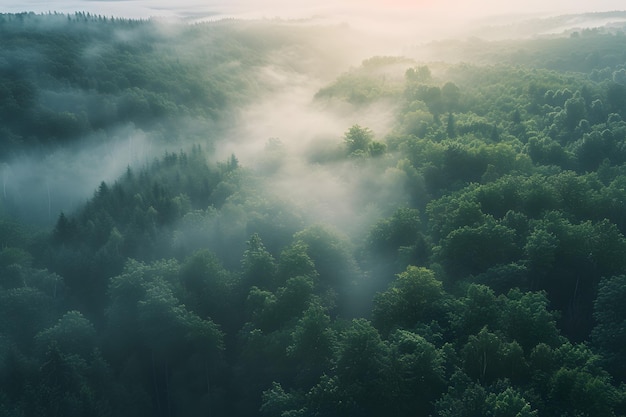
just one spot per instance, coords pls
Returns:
(397, 18)
(37, 187)
(280, 132)
(283, 136)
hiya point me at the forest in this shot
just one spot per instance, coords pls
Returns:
(268, 218)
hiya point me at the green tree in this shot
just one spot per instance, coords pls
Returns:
(400, 230)
(416, 366)
(575, 111)
(488, 357)
(609, 334)
(526, 319)
(361, 361)
(464, 398)
(509, 403)
(313, 342)
(450, 94)
(72, 335)
(332, 256)
(414, 297)
(209, 290)
(479, 308)
(294, 261)
(357, 139)
(471, 250)
(277, 402)
(73, 377)
(27, 311)
(258, 265)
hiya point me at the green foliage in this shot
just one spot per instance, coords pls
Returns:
(377, 78)
(258, 265)
(416, 366)
(416, 296)
(508, 403)
(487, 357)
(208, 289)
(483, 274)
(313, 343)
(332, 256)
(360, 365)
(471, 250)
(358, 139)
(399, 232)
(73, 334)
(609, 333)
(527, 320)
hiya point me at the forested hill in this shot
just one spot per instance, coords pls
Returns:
(454, 247)
(64, 77)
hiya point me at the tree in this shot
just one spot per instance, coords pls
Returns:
(450, 94)
(526, 319)
(479, 308)
(258, 265)
(277, 402)
(209, 290)
(331, 254)
(270, 311)
(451, 126)
(575, 111)
(432, 96)
(508, 403)
(609, 334)
(472, 250)
(540, 250)
(417, 372)
(295, 261)
(27, 311)
(313, 342)
(488, 357)
(580, 386)
(415, 296)
(73, 334)
(73, 377)
(376, 149)
(390, 234)
(178, 342)
(361, 362)
(465, 398)
(357, 139)
(419, 74)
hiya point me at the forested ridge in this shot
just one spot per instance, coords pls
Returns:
(473, 263)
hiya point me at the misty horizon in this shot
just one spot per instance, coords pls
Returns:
(450, 12)
(290, 94)
(145, 8)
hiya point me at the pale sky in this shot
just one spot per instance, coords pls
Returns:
(389, 19)
(306, 8)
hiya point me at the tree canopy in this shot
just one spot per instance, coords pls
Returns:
(450, 243)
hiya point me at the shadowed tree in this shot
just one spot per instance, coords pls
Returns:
(609, 334)
(361, 362)
(416, 366)
(415, 297)
(258, 265)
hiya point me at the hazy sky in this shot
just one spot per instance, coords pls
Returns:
(306, 8)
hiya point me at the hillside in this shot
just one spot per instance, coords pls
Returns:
(232, 219)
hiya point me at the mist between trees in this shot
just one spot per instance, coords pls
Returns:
(243, 218)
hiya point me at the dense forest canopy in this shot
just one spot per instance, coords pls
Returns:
(233, 218)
